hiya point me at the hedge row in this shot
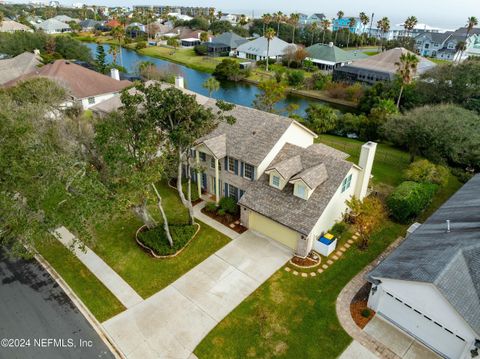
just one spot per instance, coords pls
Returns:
(156, 238)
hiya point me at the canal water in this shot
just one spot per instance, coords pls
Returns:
(239, 93)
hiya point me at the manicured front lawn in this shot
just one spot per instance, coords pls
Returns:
(294, 317)
(98, 299)
(115, 243)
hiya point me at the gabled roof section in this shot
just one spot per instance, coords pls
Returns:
(259, 47)
(313, 176)
(289, 167)
(448, 260)
(22, 64)
(52, 25)
(230, 39)
(332, 53)
(217, 145)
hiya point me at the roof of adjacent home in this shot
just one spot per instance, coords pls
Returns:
(259, 47)
(448, 260)
(22, 64)
(89, 23)
(78, 80)
(331, 53)
(230, 39)
(10, 25)
(302, 215)
(387, 60)
(52, 25)
(64, 18)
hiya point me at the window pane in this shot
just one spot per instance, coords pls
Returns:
(231, 164)
(276, 181)
(248, 171)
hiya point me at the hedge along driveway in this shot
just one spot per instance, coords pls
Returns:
(116, 244)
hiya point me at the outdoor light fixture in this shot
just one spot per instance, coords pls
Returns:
(374, 289)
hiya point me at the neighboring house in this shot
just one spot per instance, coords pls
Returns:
(179, 16)
(381, 67)
(112, 23)
(53, 26)
(257, 49)
(329, 57)
(190, 42)
(344, 23)
(66, 19)
(19, 65)
(315, 19)
(85, 87)
(137, 24)
(90, 25)
(288, 188)
(430, 285)
(302, 18)
(223, 44)
(472, 46)
(231, 18)
(13, 26)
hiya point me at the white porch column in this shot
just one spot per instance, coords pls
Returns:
(199, 175)
(217, 181)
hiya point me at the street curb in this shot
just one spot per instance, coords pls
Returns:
(110, 343)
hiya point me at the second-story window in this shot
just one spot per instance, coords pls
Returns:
(231, 165)
(212, 162)
(248, 171)
(203, 156)
(275, 181)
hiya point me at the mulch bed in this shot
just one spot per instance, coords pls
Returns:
(359, 304)
(309, 261)
(225, 220)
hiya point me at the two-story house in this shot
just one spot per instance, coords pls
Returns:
(288, 188)
(344, 23)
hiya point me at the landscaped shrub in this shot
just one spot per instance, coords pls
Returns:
(229, 205)
(221, 212)
(462, 175)
(211, 207)
(157, 240)
(409, 199)
(295, 78)
(339, 229)
(366, 313)
(426, 172)
(229, 69)
(200, 50)
(141, 45)
(354, 92)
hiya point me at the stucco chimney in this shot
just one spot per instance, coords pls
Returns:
(367, 155)
(179, 82)
(115, 74)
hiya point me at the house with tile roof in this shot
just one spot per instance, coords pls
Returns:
(381, 67)
(429, 286)
(85, 87)
(329, 57)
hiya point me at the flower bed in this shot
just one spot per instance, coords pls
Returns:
(310, 261)
(361, 314)
(156, 243)
(232, 222)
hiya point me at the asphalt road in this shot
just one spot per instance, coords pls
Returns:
(38, 320)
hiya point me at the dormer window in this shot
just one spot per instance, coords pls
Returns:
(300, 190)
(275, 181)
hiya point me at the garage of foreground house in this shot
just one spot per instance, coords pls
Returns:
(430, 285)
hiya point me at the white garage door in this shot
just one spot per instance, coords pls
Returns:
(432, 334)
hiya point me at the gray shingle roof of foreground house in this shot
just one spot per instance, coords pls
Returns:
(448, 260)
(302, 215)
(17, 66)
(230, 39)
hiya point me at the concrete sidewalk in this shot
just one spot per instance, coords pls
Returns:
(197, 211)
(121, 289)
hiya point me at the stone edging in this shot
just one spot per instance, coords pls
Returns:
(307, 267)
(170, 255)
(343, 308)
(107, 339)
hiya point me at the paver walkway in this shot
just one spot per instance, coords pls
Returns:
(172, 322)
(121, 289)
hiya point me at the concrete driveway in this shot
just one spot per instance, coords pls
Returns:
(172, 322)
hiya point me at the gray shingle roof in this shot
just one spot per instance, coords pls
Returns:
(287, 168)
(450, 261)
(302, 215)
(259, 47)
(217, 145)
(17, 66)
(51, 25)
(313, 176)
(230, 39)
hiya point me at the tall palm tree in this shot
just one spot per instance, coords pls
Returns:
(351, 25)
(325, 24)
(269, 35)
(407, 68)
(211, 14)
(472, 21)
(118, 34)
(313, 29)
(340, 15)
(243, 20)
(266, 19)
(294, 18)
(384, 25)
(409, 25)
(364, 19)
(219, 14)
(278, 16)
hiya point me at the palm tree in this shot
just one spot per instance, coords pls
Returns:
(204, 36)
(351, 25)
(407, 68)
(472, 21)
(325, 24)
(269, 35)
(384, 26)
(364, 19)
(410, 24)
(212, 85)
(118, 34)
(294, 18)
(243, 20)
(219, 14)
(313, 28)
(266, 19)
(339, 17)
(278, 16)
(211, 14)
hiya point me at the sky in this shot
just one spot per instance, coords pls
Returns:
(441, 13)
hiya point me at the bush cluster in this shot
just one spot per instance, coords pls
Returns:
(156, 238)
(424, 171)
(409, 199)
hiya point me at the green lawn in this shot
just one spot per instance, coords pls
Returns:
(291, 316)
(294, 317)
(115, 243)
(98, 299)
